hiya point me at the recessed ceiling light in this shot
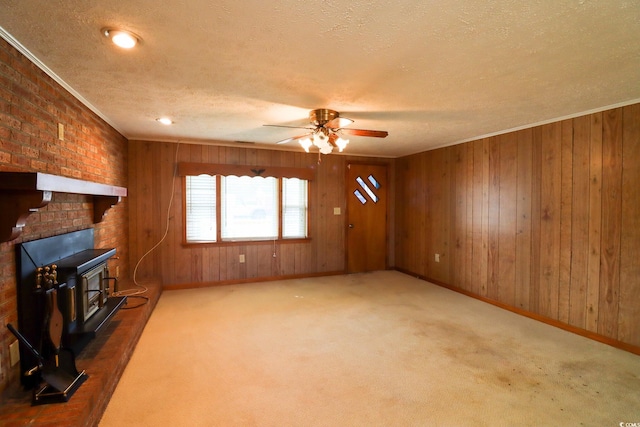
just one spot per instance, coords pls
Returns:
(121, 38)
(165, 121)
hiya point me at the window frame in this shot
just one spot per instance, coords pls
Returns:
(217, 170)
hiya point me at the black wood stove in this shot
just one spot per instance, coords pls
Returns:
(78, 277)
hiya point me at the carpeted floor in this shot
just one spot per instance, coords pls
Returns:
(374, 349)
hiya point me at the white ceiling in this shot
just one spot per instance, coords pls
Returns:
(431, 73)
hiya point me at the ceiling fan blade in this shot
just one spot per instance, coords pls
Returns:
(284, 141)
(365, 132)
(338, 123)
(292, 127)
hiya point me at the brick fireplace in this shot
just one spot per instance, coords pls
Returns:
(91, 150)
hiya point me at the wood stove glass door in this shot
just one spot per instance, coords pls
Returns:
(93, 290)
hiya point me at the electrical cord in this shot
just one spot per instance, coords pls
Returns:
(146, 300)
(141, 288)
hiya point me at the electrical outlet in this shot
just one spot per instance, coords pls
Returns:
(14, 353)
(437, 257)
(241, 258)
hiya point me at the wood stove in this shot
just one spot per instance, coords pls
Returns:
(87, 286)
(84, 289)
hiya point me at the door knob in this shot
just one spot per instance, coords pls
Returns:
(350, 225)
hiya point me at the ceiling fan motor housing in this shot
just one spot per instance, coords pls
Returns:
(322, 116)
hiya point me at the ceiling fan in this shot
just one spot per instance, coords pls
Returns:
(327, 131)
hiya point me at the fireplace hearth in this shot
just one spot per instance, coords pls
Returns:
(83, 287)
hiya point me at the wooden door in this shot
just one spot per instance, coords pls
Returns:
(367, 191)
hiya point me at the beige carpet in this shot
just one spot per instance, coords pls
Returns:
(375, 349)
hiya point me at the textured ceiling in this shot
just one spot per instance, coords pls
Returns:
(431, 73)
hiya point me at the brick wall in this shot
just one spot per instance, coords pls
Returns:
(31, 106)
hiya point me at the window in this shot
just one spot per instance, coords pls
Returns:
(294, 208)
(243, 208)
(249, 208)
(367, 189)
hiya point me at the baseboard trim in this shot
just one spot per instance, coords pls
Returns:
(194, 285)
(552, 322)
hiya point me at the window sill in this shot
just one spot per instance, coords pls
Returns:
(247, 242)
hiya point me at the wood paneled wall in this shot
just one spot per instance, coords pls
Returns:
(150, 190)
(545, 220)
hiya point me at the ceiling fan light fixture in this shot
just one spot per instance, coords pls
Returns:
(321, 141)
(341, 143)
(327, 149)
(305, 143)
(121, 38)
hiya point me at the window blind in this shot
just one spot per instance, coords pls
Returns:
(200, 198)
(294, 208)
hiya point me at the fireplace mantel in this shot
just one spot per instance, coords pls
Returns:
(22, 193)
